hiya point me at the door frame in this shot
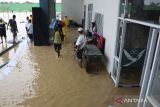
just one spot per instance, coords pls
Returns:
(147, 68)
(119, 59)
(155, 65)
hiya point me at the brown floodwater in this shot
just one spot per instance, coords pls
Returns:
(35, 77)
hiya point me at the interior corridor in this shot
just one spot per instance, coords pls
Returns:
(38, 77)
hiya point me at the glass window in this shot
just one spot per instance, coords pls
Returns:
(122, 4)
(148, 104)
(90, 12)
(144, 10)
(155, 90)
(136, 36)
(98, 18)
(84, 20)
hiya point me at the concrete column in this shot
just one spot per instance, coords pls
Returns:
(47, 13)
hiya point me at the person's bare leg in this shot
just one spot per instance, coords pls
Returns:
(2, 39)
(5, 39)
(81, 63)
(58, 53)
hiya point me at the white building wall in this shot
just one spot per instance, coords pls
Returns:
(110, 10)
(73, 9)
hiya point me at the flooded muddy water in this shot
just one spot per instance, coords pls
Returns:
(40, 79)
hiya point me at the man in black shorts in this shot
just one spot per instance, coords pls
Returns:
(80, 43)
(2, 30)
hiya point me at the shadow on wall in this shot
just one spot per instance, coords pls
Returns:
(105, 59)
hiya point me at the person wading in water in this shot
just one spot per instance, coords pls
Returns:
(13, 24)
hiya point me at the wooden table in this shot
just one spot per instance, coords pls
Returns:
(91, 57)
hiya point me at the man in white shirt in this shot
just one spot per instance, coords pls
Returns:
(30, 30)
(26, 22)
(80, 43)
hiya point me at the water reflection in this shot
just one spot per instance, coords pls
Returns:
(18, 78)
(4, 58)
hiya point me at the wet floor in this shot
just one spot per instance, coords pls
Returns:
(21, 16)
(35, 77)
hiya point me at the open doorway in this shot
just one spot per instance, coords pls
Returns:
(132, 42)
(59, 9)
(133, 54)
